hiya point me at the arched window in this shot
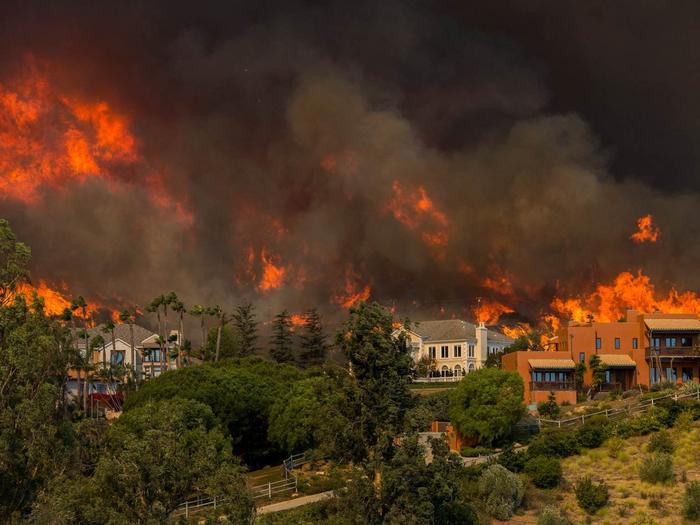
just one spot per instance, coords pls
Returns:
(458, 370)
(471, 367)
(445, 371)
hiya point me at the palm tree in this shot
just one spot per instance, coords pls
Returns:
(126, 317)
(221, 315)
(168, 300)
(179, 307)
(108, 328)
(79, 303)
(200, 311)
(67, 316)
(154, 307)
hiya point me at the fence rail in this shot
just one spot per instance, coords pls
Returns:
(439, 379)
(266, 490)
(619, 413)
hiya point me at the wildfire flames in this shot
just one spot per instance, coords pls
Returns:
(609, 302)
(647, 231)
(353, 292)
(416, 210)
(55, 302)
(272, 275)
(489, 311)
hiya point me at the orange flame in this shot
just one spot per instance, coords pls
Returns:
(416, 211)
(297, 319)
(353, 292)
(55, 302)
(490, 311)
(609, 303)
(647, 231)
(272, 276)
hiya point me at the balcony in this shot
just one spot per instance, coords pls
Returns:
(611, 387)
(547, 386)
(676, 351)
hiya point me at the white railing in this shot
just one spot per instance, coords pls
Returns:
(620, 412)
(266, 490)
(439, 379)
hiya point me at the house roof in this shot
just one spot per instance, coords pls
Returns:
(617, 360)
(121, 331)
(552, 364)
(453, 330)
(670, 324)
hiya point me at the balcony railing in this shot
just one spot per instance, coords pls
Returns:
(676, 351)
(610, 387)
(548, 386)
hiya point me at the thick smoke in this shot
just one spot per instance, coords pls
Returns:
(282, 131)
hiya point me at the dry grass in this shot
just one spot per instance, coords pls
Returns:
(632, 501)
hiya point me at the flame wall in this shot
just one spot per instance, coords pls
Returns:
(301, 154)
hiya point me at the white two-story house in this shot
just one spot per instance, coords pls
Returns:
(455, 347)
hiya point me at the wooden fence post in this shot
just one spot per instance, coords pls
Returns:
(269, 490)
(187, 509)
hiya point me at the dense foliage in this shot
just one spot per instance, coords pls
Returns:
(501, 492)
(691, 501)
(591, 496)
(545, 471)
(240, 393)
(487, 403)
(657, 468)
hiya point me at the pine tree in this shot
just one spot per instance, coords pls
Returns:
(281, 341)
(313, 341)
(244, 321)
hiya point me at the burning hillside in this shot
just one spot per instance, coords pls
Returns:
(309, 173)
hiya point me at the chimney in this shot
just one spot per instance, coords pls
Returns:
(482, 343)
(631, 315)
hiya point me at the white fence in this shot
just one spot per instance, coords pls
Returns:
(620, 412)
(439, 379)
(266, 490)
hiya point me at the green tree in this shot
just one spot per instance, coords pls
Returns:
(281, 341)
(199, 311)
(313, 346)
(549, 409)
(229, 343)
(247, 327)
(501, 492)
(34, 434)
(14, 262)
(487, 403)
(598, 369)
(137, 480)
(179, 308)
(381, 367)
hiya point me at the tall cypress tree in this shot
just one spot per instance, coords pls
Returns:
(247, 326)
(313, 340)
(281, 342)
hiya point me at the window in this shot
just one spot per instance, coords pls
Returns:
(653, 375)
(617, 343)
(670, 342)
(431, 352)
(458, 370)
(470, 351)
(686, 341)
(656, 342)
(471, 367)
(608, 376)
(151, 355)
(444, 352)
(671, 374)
(582, 357)
(445, 371)
(686, 374)
(598, 343)
(117, 358)
(457, 351)
(635, 343)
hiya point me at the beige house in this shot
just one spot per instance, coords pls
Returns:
(455, 347)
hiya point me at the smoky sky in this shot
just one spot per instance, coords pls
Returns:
(542, 130)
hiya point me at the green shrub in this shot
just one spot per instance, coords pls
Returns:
(591, 496)
(684, 421)
(615, 445)
(545, 471)
(472, 452)
(593, 432)
(640, 425)
(657, 468)
(552, 515)
(559, 442)
(549, 409)
(512, 460)
(501, 492)
(691, 501)
(661, 442)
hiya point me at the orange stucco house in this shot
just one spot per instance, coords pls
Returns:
(641, 349)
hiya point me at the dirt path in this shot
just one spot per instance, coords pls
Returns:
(294, 503)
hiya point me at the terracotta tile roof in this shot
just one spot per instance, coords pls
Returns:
(617, 360)
(552, 364)
(673, 324)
